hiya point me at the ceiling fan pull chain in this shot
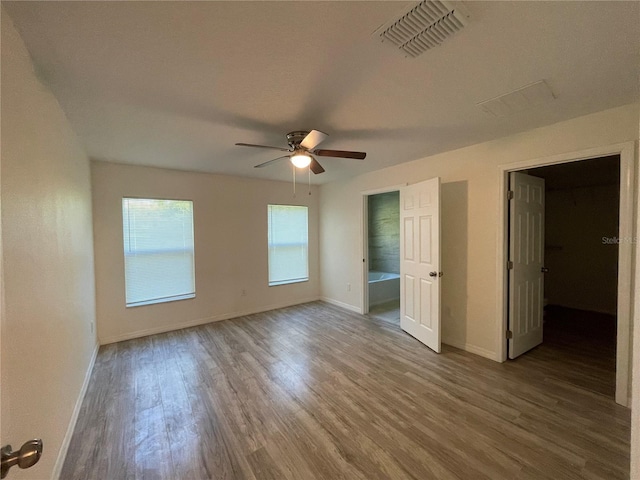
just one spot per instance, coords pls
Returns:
(309, 170)
(293, 169)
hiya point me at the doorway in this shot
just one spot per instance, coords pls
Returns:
(419, 259)
(383, 247)
(576, 276)
(593, 189)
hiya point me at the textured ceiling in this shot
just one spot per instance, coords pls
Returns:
(176, 84)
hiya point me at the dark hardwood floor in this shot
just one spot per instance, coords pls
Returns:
(585, 342)
(316, 392)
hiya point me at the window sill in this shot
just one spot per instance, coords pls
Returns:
(288, 282)
(161, 300)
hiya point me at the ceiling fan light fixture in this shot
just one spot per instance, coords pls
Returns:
(302, 149)
(300, 160)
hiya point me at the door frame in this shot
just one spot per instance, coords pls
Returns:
(364, 240)
(626, 151)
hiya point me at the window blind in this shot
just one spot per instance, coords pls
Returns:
(158, 250)
(288, 244)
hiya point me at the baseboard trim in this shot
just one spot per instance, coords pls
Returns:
(62, 453)
(340, 304)
(200, 321)
(475, 350)
(462, 346)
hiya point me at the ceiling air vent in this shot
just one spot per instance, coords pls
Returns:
(518, 100)
(425, 26)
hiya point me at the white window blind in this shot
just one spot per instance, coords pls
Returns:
(158, 250)
(288, 244)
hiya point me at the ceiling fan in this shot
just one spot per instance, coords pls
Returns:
(302, 145)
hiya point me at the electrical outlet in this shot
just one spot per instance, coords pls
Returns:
(348, 287)
(243, 293)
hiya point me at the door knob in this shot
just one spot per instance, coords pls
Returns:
(26, 457)
(433, 274)
(544, 269)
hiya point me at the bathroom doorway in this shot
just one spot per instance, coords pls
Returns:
(383, 259)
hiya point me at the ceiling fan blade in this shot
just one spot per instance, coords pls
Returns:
(313, 139)
(315, 166)
(341, 154)
(262, 146)
(270, 161)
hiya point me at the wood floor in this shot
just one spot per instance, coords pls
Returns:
(315, 392)
(585, 342)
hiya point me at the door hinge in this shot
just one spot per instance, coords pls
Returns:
(510, 195)
(509, 334)
(509, 265)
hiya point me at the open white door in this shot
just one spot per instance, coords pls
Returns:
(526, 267)
(420, 261)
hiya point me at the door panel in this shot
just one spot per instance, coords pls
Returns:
(425, 232)
(426, 301)
(526, 251)
(408, 239)
(409, 290)
(420, 256)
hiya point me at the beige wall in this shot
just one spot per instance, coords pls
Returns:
(230, 227)
(583, 270)
(47, 260)
(470, 186)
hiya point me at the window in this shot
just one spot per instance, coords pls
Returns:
(158, 250)
(288, 244)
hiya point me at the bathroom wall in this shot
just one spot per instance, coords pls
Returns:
(384, 232)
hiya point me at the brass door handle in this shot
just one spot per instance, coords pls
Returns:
(26, 457)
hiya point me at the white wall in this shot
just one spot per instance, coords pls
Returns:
(470, 185)
(230, 227)
(635, 395)
(583, 270)
(47, 261)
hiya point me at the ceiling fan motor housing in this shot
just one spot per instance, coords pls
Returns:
(295, 138)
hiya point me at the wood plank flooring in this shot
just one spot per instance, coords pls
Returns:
(585, 342)
(316, 392)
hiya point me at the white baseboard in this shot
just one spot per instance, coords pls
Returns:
(462, 346)
(475, 350)
(62, 453)
(200, 321)
(340, 304)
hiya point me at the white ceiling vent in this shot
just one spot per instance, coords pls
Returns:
(425, 26)
(520, 99)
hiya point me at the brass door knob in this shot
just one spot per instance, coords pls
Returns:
(26, 457)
